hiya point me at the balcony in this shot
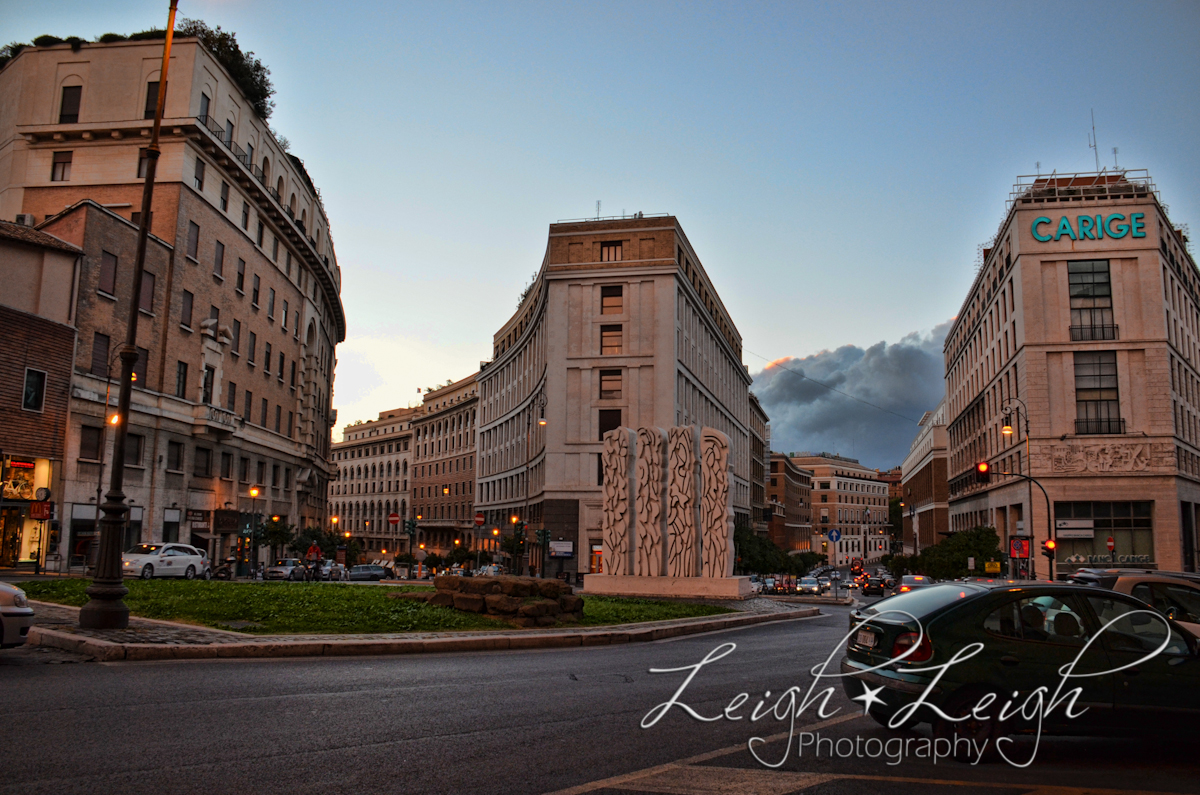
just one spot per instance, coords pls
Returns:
(1110, 426)
(1089, 333)
(213, 421)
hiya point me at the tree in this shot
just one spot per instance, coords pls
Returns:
(460, 556)
(326, 540)
(277, 535)
(250, 74)
(896, 522)
(948, 558)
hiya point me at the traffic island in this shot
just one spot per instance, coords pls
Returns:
(522, 601)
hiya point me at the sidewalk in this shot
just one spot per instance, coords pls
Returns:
(150, 639)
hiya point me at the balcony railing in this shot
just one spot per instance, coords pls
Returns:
(1099, 426)
(1088, 333)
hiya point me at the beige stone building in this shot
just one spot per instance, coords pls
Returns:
(789, 501)
(849, 497)
(240, 306)
(371, 482)
(923, 484)
(760, 455)
(1084, 310)
(621, 327)
(444, 439)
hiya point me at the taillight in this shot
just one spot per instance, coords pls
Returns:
(906, 641)
(904, 588)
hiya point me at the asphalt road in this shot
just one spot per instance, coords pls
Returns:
(498, 722)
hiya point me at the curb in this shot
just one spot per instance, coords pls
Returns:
(107, 651)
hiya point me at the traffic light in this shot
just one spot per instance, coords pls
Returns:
(983, 472)
(410, 527)
(1048, 548)
(543, 536)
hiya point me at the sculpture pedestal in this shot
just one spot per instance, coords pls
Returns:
(685, 587)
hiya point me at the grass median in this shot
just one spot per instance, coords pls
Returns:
(276, 608)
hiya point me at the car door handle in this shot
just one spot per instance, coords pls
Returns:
(1008, 659)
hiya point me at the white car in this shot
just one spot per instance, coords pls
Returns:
(16, 616)
(163, 560)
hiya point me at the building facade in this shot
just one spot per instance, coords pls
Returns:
(850, 498)
(37, 323)
(240, 309)
(1080, 334)
(621, 327)
(371, 482)
(444, 439)
(923, 484)
(760, 512)
(789, 495)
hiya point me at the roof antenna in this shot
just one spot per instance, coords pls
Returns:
(1116, 167)
(1038, 164)
(1092, 140)
(597, 209)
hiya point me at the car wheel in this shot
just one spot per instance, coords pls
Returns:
(147, 571)
(208, 574)
(983, 732)
(190, 574)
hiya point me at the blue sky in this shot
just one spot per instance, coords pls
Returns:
(835, 165)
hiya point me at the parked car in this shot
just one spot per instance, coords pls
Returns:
(162, 560)
(912, 582)
(873, 585)
(1029, 631)
(1174, 594)
(825, 583)
(206, 567)
(368, 571)
(809, 585)
(16, 616)
(333, 571)
(768, 585)
(286, 569)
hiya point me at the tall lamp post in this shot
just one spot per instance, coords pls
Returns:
(1017, 406)
(254, 492)
(106, 608)
(540, 403)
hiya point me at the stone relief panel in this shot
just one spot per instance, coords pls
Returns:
(716, 514)
(681, 503)
(1071, 459)
(615, 526)
(650, 559)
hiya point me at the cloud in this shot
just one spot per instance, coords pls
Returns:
(905, 378)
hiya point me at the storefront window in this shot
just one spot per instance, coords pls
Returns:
(596, 562)
(1083, 529)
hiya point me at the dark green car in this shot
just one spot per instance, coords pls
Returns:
(1029, 631)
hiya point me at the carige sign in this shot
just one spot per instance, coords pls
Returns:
(1090, 227)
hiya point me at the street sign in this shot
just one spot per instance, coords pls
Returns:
(393, 519)
(992, 567)
(1112, 545)
(835, 535)
(1019, 547)
(479, 520)
(970, 564)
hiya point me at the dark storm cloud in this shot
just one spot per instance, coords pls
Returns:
(904, 377)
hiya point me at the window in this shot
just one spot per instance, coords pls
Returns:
(290, 425)
(264, 413)
(1091, 300)
(287, 477)
(284, 315)
(267, 358)
(137, 219)
(610, 419)
(185, 313)
(254, 292)
(610, 340)
(206, 388)
(246, 215)
(244, 470)
(203, 462)
(33, 397)
(237, 336)
(296, 323)
(146, 304)
(279, 370)
(259, 235)
(288, 271)
(198, 177)
(1134, 629)
(89, 443)
(271, 303)
(174, 456)
(108, 273)
(100, 355)
(224, 197)
(241, 275)
(275, 249)
(610, 384)
(230, 396)
(134, 445)
(294, 378)
(1097, 406)
(1173, 601)
(219, 260)
(278, 418)
(611, 300)
(214, 313)
(60, 170)
(262, 472)
(228, 131)
(247, 404)
(181, 372)
(611, 251)
(1042, 618)
(139, 367)
(275, 476)
(253, 345)
(227, 466)
(193, 239)
(68, 110)
(152, 98)
(204, 103)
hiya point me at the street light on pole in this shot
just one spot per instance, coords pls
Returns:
(1017, 406)
(254, 492)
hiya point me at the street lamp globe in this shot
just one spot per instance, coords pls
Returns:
(254, 491)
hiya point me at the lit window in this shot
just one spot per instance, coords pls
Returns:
(610, 384)
(611, 251)
(610, 340)
(611, 300)
(60, 171)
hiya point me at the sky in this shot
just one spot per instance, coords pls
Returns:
(835, 165)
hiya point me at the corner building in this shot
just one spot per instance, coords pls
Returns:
(1085, 310)
(240, 307)
(443, 497)
(850, 498)
(621, 327)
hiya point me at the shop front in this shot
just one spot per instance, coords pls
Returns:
(1083, 531)
(83, 536)
(26, 514)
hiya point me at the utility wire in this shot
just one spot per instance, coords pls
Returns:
(831, 388)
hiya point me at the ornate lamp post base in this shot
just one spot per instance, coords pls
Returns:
(105, 610)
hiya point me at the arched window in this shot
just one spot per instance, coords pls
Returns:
(292, 204)
(279, 189)
(304, 218)
(266, 168)
(405, 469)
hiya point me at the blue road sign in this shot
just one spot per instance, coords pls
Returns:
(835, 535)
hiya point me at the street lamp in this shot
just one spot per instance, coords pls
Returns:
(1017, 406)
(254, 530)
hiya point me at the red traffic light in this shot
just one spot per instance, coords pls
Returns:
(1051, 544)
(982, 466)
(983, 472)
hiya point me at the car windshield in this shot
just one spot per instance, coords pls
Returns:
(924, 601)
(144, 549)
(914, 579)
(283, 563)
(808, 581)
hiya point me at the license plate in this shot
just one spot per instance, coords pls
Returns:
(865, 638)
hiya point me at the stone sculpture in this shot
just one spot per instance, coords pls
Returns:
(716, 514)
(651, 529)
(617, 486)
(681, 503)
